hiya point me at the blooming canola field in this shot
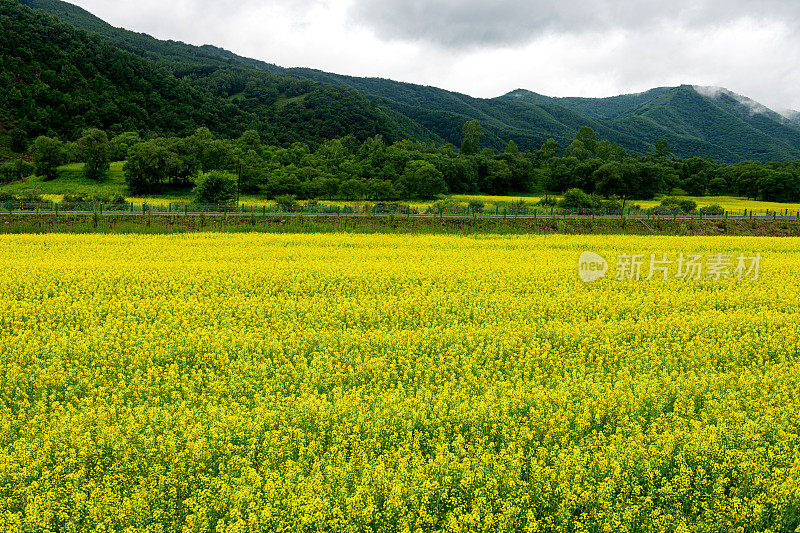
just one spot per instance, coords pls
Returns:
(345, 382)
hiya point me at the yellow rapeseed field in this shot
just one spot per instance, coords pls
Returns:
(345, 382)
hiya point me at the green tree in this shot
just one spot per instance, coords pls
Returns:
(575, 199)
(662, 149)
(421, 180)
(15, 169)
(148, 166)
(48, 154)
(215, 188)
(95, 152)
(121, 143)
(472, 134)
(587, 137)
(548, 151)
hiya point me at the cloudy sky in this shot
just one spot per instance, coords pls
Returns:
(486, 48)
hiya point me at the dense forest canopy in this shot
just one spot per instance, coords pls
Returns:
(721, 126)
(377, 170)
(175, 113)
(57, 80)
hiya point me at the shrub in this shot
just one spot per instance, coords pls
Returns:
(119, 199)
(476, 206)
(548, 201)
(29, 195)
(286, 200)
(15, 169)
(215, 188)
(82, 197)
(518, 207)
(686, 206)
(713, 210)
(446, 204)
(575, 199)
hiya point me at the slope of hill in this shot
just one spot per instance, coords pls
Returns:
(417, 112)
(695, 124)
(718, 124)
(610, 107)
(59, 80)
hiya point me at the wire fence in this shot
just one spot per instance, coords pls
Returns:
(658, 212)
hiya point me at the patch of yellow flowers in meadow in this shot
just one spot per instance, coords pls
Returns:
(238, 383)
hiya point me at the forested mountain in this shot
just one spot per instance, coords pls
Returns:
(56, 79)
(610, 107)
(285, 105)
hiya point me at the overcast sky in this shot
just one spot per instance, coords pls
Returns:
(486, 48)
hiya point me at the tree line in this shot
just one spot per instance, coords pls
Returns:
(377, 170)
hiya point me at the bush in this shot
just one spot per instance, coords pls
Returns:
(446, 204)
(576, 199)
(548, 201)
(8, 172)
(476, 206)
(286, 200)
(30, 195)
(713, 210)
(518, 207)
(611, 204)
(15, 169)
(685, 206)
(215, 188)
(82, 197)
(119, 199)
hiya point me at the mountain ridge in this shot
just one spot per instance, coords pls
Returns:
(715, 125)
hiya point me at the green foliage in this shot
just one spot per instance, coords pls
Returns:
(122, 143)
(575, 199)
(149, 165)
(215, 188)
(472, 134)
(683, 205)
(713, 210)
(476, 206)
(15, 169)
(48, 154)
(94, 150)
(421, 179)
(286, 200)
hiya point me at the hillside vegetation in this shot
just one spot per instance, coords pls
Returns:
(718, 124)
(59, 80)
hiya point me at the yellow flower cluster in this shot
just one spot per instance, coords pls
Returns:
(314, 382)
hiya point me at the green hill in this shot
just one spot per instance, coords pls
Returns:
(695, 124)
(599, 108)
(290, 104)
(58, 80)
